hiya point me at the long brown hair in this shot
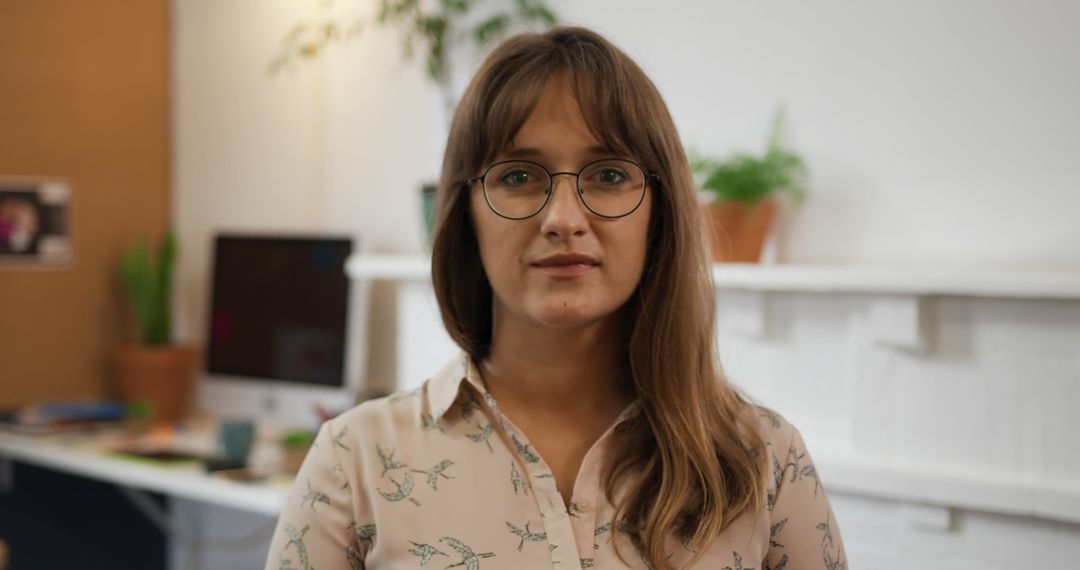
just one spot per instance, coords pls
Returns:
(692, 461)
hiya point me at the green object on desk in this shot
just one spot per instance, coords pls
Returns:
(296, 444)
(139, 410)
(298, 438)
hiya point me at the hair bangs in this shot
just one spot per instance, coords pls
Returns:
(509, 103)
(606, 113)
(600, 86)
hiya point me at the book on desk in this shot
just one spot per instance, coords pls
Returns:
(60, 417)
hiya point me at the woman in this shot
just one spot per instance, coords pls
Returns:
(587, 423)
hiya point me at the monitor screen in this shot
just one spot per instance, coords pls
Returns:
(279, 309)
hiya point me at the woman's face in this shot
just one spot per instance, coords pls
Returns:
(517, 253)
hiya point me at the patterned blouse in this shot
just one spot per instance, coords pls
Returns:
(438, 476)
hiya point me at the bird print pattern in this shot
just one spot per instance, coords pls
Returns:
(314, 496)
(439, 477)
(469, 559)
(433, 475)
(526, 535)
(516, 480)
(425, 551)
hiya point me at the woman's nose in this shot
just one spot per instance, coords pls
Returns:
(565, 214)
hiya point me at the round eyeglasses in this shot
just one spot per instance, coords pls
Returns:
(519, 189)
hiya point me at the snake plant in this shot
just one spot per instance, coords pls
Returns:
(149, 286)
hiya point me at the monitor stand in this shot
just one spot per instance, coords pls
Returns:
(281, 404)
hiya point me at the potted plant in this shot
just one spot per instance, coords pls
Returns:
(153, 372)
(744, 190)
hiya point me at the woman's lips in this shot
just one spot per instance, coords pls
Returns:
(566, 270)
(566, 265)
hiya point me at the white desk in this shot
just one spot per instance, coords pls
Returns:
(81, 455)
(210, 523)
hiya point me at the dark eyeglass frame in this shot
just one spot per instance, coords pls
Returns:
(649, 177)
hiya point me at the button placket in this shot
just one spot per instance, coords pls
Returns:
(585, 503)
(562, 544)
(561, 538)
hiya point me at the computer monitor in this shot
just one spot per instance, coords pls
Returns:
(283, 328)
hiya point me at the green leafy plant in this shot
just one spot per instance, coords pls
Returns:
(149, 286)
(750, 179)
(430, 27)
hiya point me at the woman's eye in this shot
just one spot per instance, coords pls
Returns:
(516, 177)
(611, 176)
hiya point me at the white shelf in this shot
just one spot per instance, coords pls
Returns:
(950, 488)
(958, 280)
(969, 281)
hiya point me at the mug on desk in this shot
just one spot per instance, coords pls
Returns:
(235, 438)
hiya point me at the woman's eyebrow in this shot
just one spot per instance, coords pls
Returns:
(527, 152)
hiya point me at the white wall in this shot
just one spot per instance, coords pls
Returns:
(935, 131)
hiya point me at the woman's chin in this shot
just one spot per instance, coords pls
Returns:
(566, 315)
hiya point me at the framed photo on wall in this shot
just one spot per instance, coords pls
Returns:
(35, 221)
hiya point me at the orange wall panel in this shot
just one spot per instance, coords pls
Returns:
(83, 96)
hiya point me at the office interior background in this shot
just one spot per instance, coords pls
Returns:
(941, 139)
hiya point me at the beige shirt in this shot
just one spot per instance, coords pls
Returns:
(438, 476)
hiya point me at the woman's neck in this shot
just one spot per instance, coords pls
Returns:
(558, 372)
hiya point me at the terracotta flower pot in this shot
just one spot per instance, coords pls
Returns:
(737, 230)
(163, 377)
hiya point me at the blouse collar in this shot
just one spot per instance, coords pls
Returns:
(446, 385)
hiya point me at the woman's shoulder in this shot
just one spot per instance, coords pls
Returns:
(411, 416)
(780, 435)
(787, 455)
(802, 526)
(398, 411)
(775, 429)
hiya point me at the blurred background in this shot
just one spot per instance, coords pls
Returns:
(916, 314)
